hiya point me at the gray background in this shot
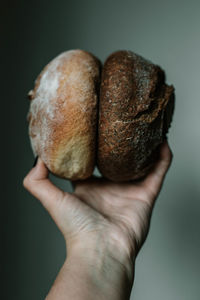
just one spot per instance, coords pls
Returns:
(166, 32)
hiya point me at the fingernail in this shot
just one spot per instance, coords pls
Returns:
(35, 161)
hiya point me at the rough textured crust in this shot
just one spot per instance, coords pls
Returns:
(63, 114)
(135, 112)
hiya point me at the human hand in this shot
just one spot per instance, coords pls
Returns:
(102, 216)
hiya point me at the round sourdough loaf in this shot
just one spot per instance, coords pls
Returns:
(63, 114)
(135, 112)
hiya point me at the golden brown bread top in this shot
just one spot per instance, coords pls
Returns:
(132, 117)
(63, 112)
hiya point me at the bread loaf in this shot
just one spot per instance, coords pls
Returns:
(71, 132)
(135, 112)
(63, 114)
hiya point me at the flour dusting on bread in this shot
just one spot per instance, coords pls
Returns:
(64, 94)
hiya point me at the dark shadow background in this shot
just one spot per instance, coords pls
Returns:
(166, 32)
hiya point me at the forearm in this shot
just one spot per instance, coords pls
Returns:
(92, 277)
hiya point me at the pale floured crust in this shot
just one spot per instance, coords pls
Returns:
(63, 114)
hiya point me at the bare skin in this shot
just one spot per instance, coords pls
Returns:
(104, 225)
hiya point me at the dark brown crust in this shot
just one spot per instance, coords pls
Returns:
(135, 112)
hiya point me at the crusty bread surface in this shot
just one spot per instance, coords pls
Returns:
(63, 114)
(71, 131)
(135, 112)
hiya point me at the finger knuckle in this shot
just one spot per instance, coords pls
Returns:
(27, 182)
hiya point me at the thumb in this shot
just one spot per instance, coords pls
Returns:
(155, 178)
(39, 185)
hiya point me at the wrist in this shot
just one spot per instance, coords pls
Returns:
(106, 270)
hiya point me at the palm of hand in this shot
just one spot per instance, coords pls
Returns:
(116, 215)
(119, 211)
